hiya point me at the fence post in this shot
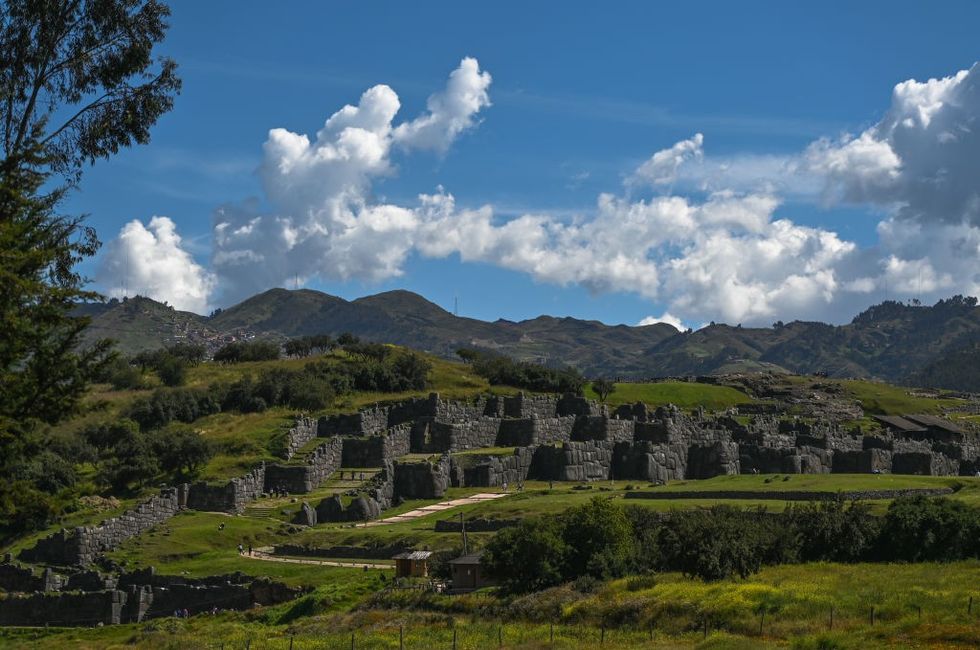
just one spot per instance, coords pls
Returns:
(291, 637)
(706, 627)
(248, 643)
(831, 617)
(919, 610)
(551, 634)
(352, 640)
(762, 621)
(969, 608)
(401, 637)
(500, 636)
(602, 635)
(872, 616)
(454, 638)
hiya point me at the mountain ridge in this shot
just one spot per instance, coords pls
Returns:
(891, 341)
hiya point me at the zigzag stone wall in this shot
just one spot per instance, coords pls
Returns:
(82, 545)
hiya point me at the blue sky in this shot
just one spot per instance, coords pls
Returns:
(581, 96)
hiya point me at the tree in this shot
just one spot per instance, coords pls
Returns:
(599, 540)
(43, 371)
(603, 388)
(78, 78)
(182, 450)
(77, 82)
(528, 556)
(132, 460)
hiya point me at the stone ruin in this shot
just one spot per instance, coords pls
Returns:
(89, 598)
(566, 438)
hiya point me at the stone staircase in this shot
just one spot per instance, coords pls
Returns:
(260, 512)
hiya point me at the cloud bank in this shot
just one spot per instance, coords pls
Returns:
(150, 261)
(719, 251)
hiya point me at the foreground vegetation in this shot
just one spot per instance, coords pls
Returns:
(915, 606)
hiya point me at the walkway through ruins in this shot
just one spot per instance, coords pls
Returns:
(412, 515)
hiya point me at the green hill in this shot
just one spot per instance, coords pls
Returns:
(896, 342)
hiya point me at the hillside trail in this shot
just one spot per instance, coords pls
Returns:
(264, 553)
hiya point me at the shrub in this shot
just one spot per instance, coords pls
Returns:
(132, 461)
(527, 557)
(501, 370)
(922, 529)
(241, 351)
(712, 544)
(172, 371)
(181, 450)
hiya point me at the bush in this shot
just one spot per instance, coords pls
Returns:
(922, 529)
(242, 351)
(132, 460)
(121, 374)
(712, 544)
(172, 371)
(834, 531)
(527, 557)
(166, 405)
(181, 450)
(501, 370)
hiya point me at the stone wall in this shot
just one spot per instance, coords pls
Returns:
(26, 579)
(425, 480)
(306, 477)
(600, 427)
(81, 546)
(493, 471)
(525, 432)
(789, 495)
(573, 461)
(140, 596)
(86, 609)
(300, 434)
(865, 461)
(715, 459)
(366, 505)
(376, 450)
(454, 436)
(230, 497)
(530, 406)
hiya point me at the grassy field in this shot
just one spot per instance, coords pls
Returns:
(686, 395)
(884, 399)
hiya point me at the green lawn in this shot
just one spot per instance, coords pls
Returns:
(884, 399)
(686, 395)
(817, 482)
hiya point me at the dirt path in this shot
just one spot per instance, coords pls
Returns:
(412, 515)
(264, 553)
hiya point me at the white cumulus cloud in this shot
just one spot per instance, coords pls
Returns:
(324, 224)
(719, 252)
(923, 156)
(150, 260)
(667, 318)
